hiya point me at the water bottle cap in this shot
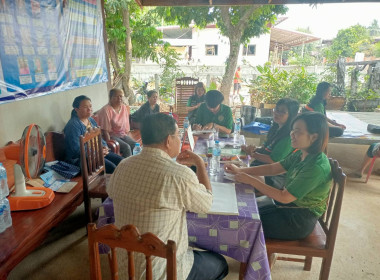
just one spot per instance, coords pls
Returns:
(137, 144)
(216, 141)
(186, 118)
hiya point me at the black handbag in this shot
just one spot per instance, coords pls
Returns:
(373, 128)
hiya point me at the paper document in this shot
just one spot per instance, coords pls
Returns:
(224, 199)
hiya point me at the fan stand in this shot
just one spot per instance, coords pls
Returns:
(27, 198)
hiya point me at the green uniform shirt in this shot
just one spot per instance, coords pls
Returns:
(223, 117)
(319, 108)
(194, 100)
(308, 180)
(282, 149)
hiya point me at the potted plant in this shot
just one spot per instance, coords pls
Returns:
(272, 85)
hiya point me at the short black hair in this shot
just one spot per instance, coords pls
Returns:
(214, 98)
(156, 127)
(315, 123)
(151, 92)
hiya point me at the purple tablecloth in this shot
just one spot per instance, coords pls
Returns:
(237, 236)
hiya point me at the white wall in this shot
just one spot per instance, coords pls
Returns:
(212, 36)
(50, 112)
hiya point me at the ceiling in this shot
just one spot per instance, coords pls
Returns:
(236, 2)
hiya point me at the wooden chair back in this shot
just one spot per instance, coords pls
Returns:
(55, 146)
(92, 168)
(184, 88)
(129, 238)
(321, 242)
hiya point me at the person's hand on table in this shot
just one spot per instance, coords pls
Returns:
(231, 168)
(249, 150)
(197, 127)
(243, 178)
(208, 126)
(189, 158)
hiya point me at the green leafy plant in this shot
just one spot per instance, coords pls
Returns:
(271, 85)
(170, 72)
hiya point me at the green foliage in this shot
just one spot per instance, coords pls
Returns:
(348, 42)
(258, 22)
(271, 85)
(377, 49)
(374, 29)
(170, 72)
(145, 37)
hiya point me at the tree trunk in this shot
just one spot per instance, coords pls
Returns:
(341, 73)
(228, 76)
(128, 56)
(115, 62)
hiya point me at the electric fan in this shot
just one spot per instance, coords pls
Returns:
(32, 153)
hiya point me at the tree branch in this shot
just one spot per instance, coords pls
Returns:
(245, 17)
(224, 13)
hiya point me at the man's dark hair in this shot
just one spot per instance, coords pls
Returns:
(151, 92)
(156, 127)
(214, 98)
(315, 123)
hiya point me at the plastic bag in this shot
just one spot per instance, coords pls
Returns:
(257, 128)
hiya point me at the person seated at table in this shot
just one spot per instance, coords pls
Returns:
(195, 101)
(278, 144)
(114, 121)
(214, 115)
(298, 206)
(373, 151)
(318, 104)
(154, 192)
(79, 123)
(148, 108)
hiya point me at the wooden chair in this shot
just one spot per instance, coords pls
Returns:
(129, 238)
(370, 168)
(55, 146)
(184, 88)
(320, 243)
(92, 168)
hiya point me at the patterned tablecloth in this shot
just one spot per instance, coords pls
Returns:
(237, 236)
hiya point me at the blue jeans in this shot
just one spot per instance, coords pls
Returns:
(111, 160)
(208, 266)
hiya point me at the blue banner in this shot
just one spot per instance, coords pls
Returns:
(48, 46)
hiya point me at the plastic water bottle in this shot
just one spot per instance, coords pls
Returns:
(237, 133)
(4, 191)
(137, 149)
(215, 159)
(7, 218)
(170, 114)
(186, 123)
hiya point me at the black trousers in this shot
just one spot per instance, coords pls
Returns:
(287, 222)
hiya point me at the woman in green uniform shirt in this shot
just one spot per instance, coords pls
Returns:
(195, 101)
(318, 104)
(298, 206)
(277, 145)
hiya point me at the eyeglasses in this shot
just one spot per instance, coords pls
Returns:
(278, 112)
